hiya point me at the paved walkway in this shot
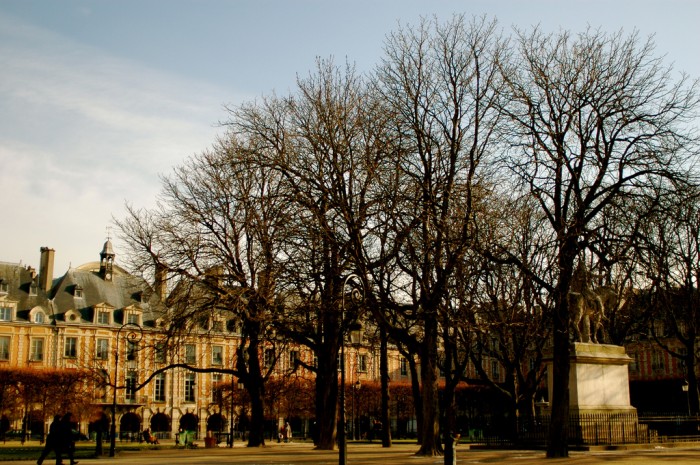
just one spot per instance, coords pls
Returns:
(400, 454)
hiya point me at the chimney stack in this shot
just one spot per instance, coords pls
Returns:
(161, 282)
(46, 269)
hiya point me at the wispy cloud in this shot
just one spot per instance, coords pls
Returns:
(80, 133)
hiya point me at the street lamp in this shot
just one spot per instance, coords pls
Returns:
(355, 332)
(230, 439)
(134, 335)
(356, 419)
(684, 388)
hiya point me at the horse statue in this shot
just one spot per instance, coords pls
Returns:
(588, 310)
(589, 305)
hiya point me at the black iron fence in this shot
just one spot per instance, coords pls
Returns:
(588, 429)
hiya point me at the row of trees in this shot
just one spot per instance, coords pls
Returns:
(36, 395)
(463, 181)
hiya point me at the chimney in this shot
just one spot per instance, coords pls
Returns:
(46, 269)
(160, 283)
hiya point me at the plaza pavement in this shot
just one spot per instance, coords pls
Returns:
(398, 454)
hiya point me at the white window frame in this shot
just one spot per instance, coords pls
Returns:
(5, 342)
(102, 348)
(159, 387)
(190, 386)
(217, 350)
(190, 354)
(36, 353)
(70, 347)
(6, 313)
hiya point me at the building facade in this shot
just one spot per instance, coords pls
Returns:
(100, 319)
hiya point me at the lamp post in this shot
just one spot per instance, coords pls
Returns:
(684, 388)
(356, 433)
(134, 335)
(230, 439)
(355, 330)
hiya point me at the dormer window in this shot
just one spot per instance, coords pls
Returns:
(133, 318)
(72, 316)
(3, 286)
(104, 317)
(78, 292)
(103, 314)
(33, 288)
(39, 317)
(5, 314)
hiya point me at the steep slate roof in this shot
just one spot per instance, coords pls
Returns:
(19, 281)
(124, 290)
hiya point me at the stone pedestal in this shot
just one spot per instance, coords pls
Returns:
(599, 396)
(599, 378)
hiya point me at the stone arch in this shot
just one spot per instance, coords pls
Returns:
(99, 423)
(189, 422)
(216, 423)
(160, 423)
(130, 422)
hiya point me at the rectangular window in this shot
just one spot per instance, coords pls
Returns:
(189, 387)
(132, 349)
(4, 347)
(495, 370)
(657, 361)
(159, 388)
(36, 350)
(293, 357)
(130, 385)
(102, 349)
(268, 358)
(403, 368)
(634, 366)
(190, 354)
(216, 387)
(217, 355)
(159, 352)
(362, 363)
(5, 314)
(70, 347)
(103, 318)
(133, 318)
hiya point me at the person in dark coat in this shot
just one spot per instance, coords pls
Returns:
(66, 439)
(52, 441)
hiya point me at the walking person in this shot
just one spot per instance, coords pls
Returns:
(66, 442)
(51, 443)
(288, 433)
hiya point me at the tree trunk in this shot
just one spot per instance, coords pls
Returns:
(384, 375)
(417, 400)
(690, 361)
(558, 446)
(430, 432)
(255, 385)
(326, 400)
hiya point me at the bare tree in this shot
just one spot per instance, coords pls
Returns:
(670, 251)
(324, 142)
(439, 81)
(510, 319)
(595, 118)
(216, 235)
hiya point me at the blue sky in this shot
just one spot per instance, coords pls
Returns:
(98, 98)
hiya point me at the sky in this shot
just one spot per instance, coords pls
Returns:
(99, 99)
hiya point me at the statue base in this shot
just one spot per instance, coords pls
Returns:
(599, 395)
